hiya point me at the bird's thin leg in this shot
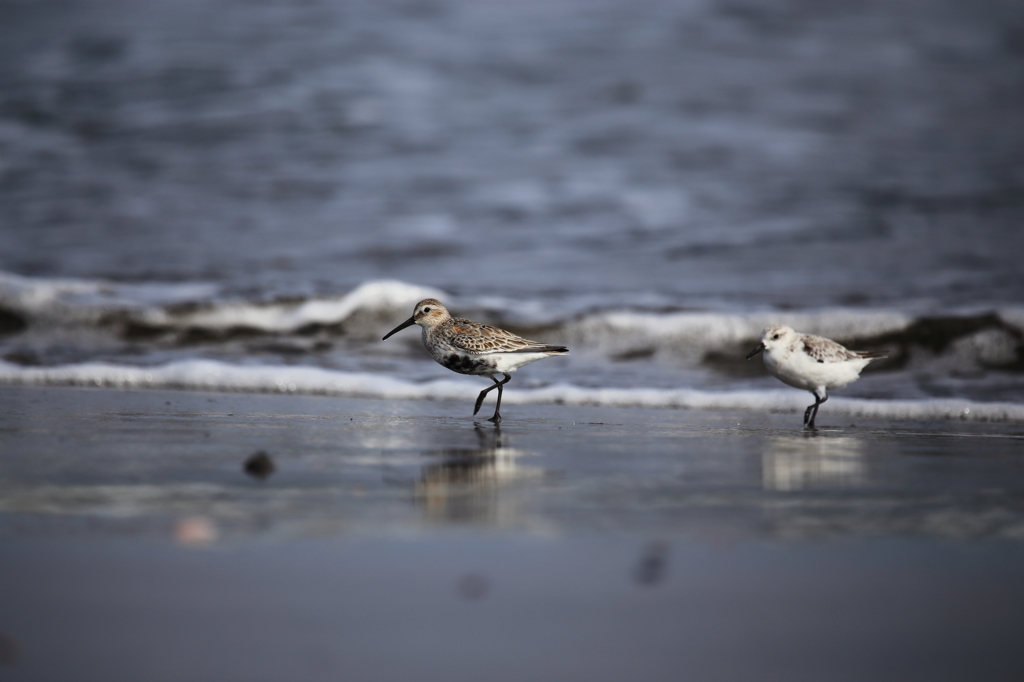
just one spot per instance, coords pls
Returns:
(497, 417)
(480, 398)
(812, 410)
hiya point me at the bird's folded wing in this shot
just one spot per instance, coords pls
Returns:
(826, 350)
(474, 337)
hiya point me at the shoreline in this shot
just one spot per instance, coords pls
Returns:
(219, 377)
(393, 537)
(401, 466)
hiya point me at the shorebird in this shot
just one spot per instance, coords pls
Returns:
(472, 348)
(812, 363)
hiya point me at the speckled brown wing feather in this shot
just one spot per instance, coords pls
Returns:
(826, 350)
(474, 337)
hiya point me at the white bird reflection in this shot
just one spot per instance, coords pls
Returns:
(463, 485)
(801, 462)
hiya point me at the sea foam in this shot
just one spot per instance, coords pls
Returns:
(212, 375)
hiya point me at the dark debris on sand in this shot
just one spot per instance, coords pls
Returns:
(259, 465)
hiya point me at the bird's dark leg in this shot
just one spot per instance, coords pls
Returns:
(497, 417)
(480, 398)
(812, 410)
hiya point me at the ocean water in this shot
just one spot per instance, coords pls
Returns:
(246, 196)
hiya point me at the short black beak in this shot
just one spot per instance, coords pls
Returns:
(408, 323)
(760, 347)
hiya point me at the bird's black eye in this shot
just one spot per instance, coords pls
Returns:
(426, 310)
(775, 338)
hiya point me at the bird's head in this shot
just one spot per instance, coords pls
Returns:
(773, 336)
(427, 313)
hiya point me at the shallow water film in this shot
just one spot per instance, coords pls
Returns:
(180, 534)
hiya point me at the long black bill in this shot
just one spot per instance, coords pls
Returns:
(760, 347)
(408, 323)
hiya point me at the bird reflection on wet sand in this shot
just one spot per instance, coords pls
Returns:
(463, 484)
(799, 462)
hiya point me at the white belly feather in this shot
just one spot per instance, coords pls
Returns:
(802, 371)
(510, 362)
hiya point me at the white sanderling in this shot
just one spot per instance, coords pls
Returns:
(812, 363)
(472, 348)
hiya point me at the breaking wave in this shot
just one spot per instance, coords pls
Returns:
(152, 309)
(176, 313)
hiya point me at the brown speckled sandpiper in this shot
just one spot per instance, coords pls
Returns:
(469, 347)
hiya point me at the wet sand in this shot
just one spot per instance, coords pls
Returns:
(145, 538)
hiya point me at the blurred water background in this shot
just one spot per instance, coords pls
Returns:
(248, 195)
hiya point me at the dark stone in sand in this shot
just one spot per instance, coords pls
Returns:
(473, 586)
(10, 652)
(259, 465)
(651, 568)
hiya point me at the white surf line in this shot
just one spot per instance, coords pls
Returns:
(210, 375)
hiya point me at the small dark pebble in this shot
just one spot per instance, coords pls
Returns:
(473, 586)
(651, 568)
(259, 465)
(10, 652)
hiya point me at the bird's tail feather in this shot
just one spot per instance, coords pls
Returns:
(541, 349)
